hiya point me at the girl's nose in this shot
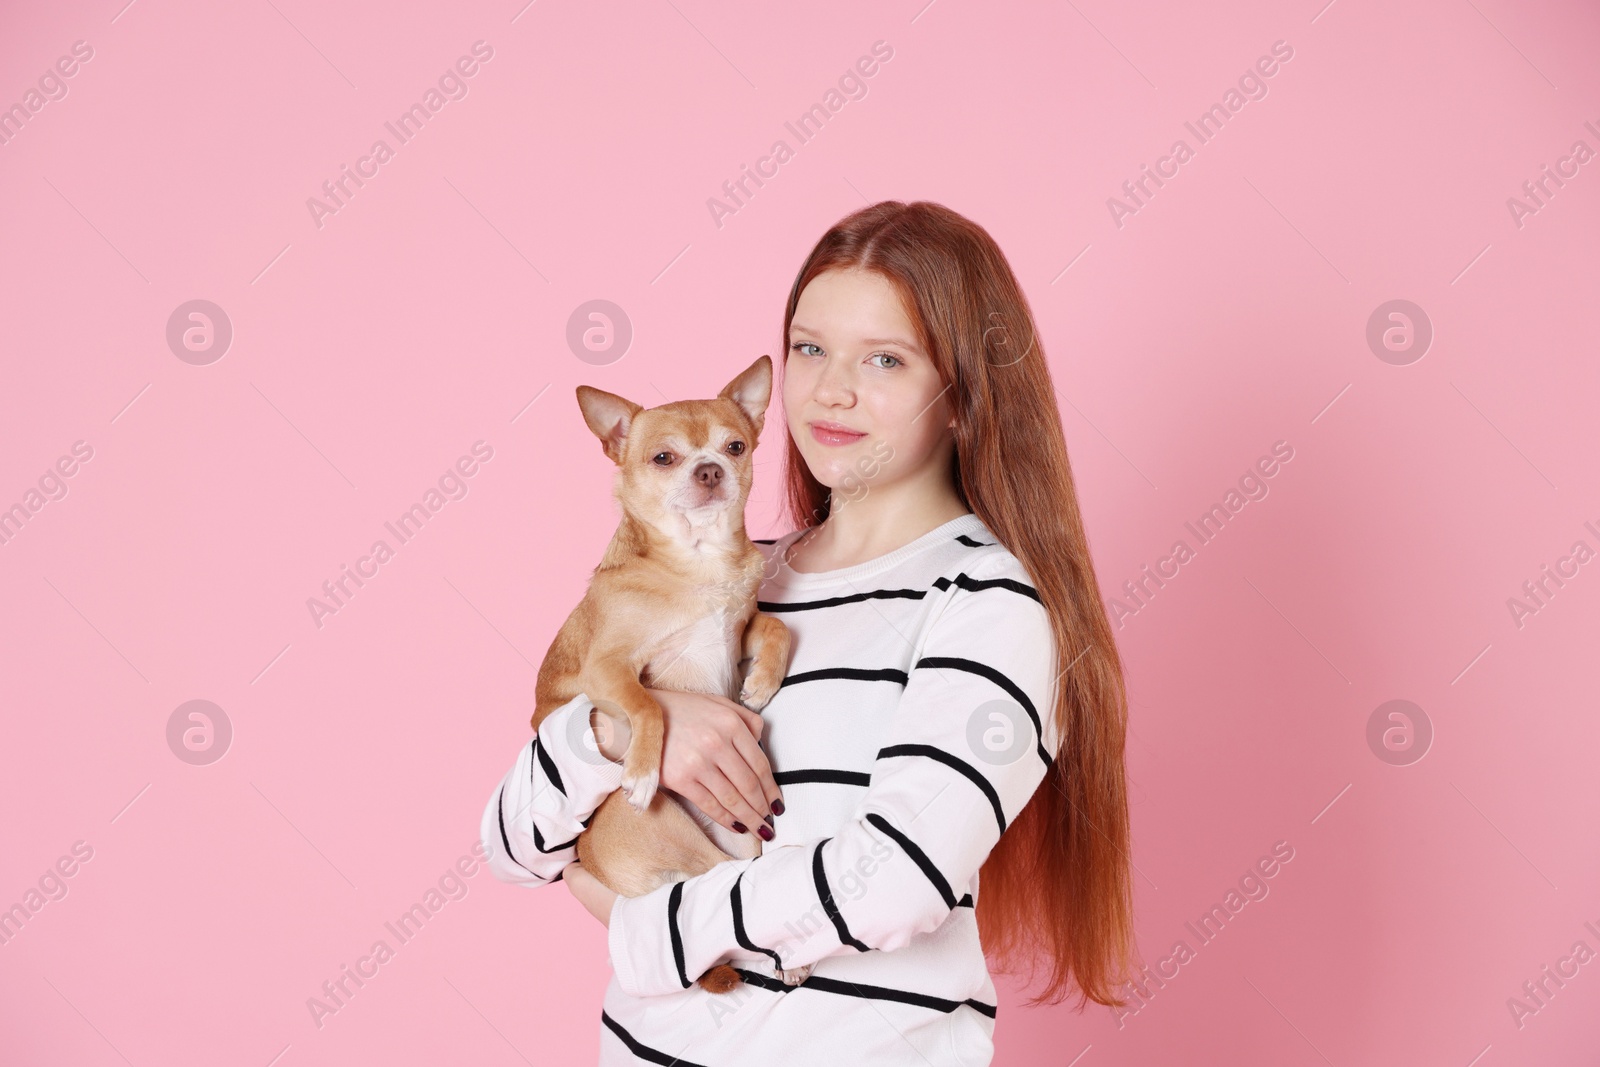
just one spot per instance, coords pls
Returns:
(834, 382)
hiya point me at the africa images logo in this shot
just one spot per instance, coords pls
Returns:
(452, 85)
(1252, 85)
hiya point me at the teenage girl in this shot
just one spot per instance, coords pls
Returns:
(949, 736)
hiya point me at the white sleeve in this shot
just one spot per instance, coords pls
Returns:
(970, 741)
(531, 824)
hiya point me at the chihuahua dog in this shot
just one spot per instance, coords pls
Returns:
(672, 605)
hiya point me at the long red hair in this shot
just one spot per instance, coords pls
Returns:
(1057, 885)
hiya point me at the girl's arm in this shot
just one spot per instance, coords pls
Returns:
(967, 746)
(531, 824)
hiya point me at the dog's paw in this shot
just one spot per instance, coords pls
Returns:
(641, 789)
(796, 975)
(756, 696)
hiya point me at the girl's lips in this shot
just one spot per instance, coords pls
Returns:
(834, 437)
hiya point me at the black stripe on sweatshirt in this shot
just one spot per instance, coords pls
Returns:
(961, 581)
(774, 607)
(917, 855)
(550, 771)
(819, 984)
(823, 774)
(736, 904)
(1013, 690)
(955, 764)
(674, 898)
(825, 895)
(538, 840)
(860, 674)
(500, 810)
(890, 674)
(973, 585)
(548, 765)
(640, 1049)
(970, 543)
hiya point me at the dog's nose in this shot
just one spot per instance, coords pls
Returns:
(708, 474)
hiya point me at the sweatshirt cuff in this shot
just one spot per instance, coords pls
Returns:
(663, 941)
(576, 765)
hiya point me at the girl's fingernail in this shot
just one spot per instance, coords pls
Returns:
(767, 819)
(740, 827)
(765, 832)
(777, 807)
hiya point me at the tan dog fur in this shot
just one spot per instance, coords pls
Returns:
(672, 605)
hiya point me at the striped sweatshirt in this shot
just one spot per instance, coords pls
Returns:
(913, 725)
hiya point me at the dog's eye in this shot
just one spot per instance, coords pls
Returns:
(662, 459)
(735, 448)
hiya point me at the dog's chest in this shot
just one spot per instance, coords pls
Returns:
(701, 656)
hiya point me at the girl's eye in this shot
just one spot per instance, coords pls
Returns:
(736, 448)
(662, 459)
(800, 346)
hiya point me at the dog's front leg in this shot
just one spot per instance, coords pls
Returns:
(766, 646)
(612, 684)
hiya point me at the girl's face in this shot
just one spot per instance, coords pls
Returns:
(865, 404)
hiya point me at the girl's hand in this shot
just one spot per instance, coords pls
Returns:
(710, 758)
(590, 891)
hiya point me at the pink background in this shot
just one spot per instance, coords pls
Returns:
(1228, 313)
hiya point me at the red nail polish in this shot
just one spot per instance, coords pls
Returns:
(740, 828)
(777, 807)
(765, 832)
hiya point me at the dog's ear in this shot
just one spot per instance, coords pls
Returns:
(751, 390)
(609, 416)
